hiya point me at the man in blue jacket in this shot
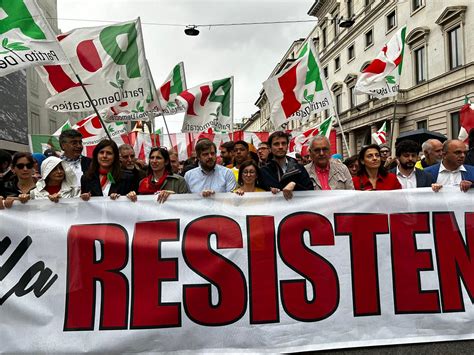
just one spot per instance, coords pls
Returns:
(452, 171)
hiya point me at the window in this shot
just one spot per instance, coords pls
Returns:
(368, 2)
(391, 21)
(35, 123)
(416, 4)
(335, 16)
(337, 63)
(338, 102)
(369, 38)
(422, 124)
(455, 125)
(324, 37)
(350, 53)
(325, 71)
(326, 114)
(420, 68)
(352, 97)
(455, 47)
(52, 125)
(350, 8)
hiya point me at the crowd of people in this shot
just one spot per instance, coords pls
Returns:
(114, 171)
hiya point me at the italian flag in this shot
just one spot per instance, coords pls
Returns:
(300, 90)
(174, 85)
(466, 120)
(380, 137)
(209, 106)
(303, 139)
(381, 78)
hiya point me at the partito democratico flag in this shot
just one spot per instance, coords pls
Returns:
(174, 85)
(26, 38)
(300, 90)
(381, 78)
(209, 106)
(110, 60)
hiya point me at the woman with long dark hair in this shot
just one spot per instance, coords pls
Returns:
(105, 177)
(372, 175)
(249, 178)
(160, 180)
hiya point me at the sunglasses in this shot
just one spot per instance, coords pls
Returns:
(21, 166)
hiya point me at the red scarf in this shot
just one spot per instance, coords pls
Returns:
(148, 187)
(103, 179)
(53, 189)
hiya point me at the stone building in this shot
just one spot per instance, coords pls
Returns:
(438, 68)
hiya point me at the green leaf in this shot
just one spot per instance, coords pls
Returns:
(121, 82)
(5, 52)
(14, 44)
(114, 85)
(390, 79)
(17, 47)
(117, 76)
(5, 42)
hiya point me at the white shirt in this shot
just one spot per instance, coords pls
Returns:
(220, 179)
(450, 178)
(407, 182)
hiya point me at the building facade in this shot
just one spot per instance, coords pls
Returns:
(438, 67)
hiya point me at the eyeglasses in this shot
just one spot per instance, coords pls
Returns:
(21, 166)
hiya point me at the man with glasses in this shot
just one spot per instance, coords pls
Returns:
(327, 173)
(128, 162)
(263, 151)
(451, 171)
(70, 142)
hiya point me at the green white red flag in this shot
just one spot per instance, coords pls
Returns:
(209, 106)
(381, 78)
(110, 60)
(304, 138)
(466, 121)
(380, 137)
(300, 90)
(174, 85)
(26, 39)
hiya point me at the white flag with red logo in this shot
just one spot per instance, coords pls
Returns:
(300, 90)
(466, 120)
(380, 137)
(381, 78)
(174, 85)
(110, 60)
(303, 139)
(209, 106)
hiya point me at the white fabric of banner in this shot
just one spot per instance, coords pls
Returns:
(254, 273)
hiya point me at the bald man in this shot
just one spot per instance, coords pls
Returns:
(433, 153)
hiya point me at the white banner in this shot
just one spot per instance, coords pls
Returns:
(254, 273)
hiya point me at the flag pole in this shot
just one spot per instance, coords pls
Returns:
(392, 131)
(232, 127)
(167, 130)
(92, 103)
(349, 154)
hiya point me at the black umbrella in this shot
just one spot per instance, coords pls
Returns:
(421, 135)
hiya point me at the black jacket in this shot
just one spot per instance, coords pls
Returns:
(423, 179)
(123, 186)
(272, 176)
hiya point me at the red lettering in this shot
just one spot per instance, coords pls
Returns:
(312, 266)
(454, 258)
(262, 270)
(149, 272)
(362, 230)
(408, 261)
(85, 268)
(221, 272)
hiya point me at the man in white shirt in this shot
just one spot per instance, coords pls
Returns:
(71, 143)
(409, 176)
(209, 178)
(451, 171)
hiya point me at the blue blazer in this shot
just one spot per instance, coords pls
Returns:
(466, 175)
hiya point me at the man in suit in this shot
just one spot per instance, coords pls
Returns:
(407, 174)
(70, 141)
(452, 171)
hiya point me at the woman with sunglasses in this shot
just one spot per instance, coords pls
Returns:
(23, 181)
(249, 178)
(160, 180)
(372, 175)
(105, 177)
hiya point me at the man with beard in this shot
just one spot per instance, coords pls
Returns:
(70, 142)
(209, 178)
(409, 176)
(451, 171)
(227, 153)
(283, 173)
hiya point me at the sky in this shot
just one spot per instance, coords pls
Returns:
(249, 53)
